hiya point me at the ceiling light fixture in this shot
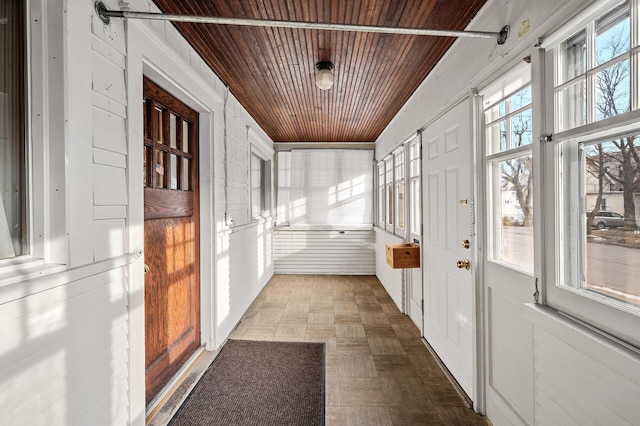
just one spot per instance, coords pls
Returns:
(324, 75)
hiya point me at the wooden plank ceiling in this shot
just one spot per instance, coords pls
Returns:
(271, 70)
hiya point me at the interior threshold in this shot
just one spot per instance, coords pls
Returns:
(162, 408)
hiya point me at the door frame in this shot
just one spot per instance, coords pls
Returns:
(145, 56)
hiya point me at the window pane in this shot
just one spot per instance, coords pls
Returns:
(186, 174)
(400, 204)
(147, 151)
(521, 99)
(512, 188)
(574, 57)
(521, 129)
(158, 134)
(159, 172)
(12, 107)
(613, 90)
(612, 34)
(185, 136)
(173, 183)
(389, 201)
(496, 135)
(172, 131)
(415, 206)
(611, 239)
(257, 185)
(572, 106)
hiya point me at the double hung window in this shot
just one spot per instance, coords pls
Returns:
(388, 167)
(415, 196)
(399, 164)
(381, 194)
(260, 187)
(596, 177)
(508, 137)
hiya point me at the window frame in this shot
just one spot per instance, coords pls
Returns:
(265, 185)
(15, 120)
(561, 248)
(380, 194)
(399, 173)
(389, 223)
(45, 148)
(414, 175)
(493, 159)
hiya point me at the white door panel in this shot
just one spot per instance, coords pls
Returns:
(449, 291)
(414, 208)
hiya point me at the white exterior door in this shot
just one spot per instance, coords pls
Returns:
(447, 201)
(414, 207)
(508, 261)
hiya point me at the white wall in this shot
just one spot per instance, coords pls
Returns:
(390, 278)
(72, 340)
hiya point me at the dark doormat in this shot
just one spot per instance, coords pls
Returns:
(259, 383)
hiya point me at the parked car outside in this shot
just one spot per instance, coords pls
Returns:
(607, 220)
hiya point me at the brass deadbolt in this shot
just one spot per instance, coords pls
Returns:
(466, 244)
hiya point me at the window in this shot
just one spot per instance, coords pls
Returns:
(415, 196)
(594, 71)
(508, 137)
(13, 201)
(398, 161)
(595, 191)
(388, 166)
(597, 239)
(168, 150)
(381, 192)
(326, 186)
(259, 187)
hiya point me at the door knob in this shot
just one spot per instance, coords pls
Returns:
(466, 244)
(146, 269)
(464, 264)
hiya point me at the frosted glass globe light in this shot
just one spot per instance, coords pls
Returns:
(324, 75)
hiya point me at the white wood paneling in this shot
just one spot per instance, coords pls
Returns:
(581, 377)
(64, 354)
(109, 128)
(390, 278)
(341, 251)
(110, 186)
(244, 266)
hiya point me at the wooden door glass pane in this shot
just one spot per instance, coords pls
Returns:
(145, 118)
(145, 172)
(185, 136)
(159, 169)
(173, 143)
(186, 181)
(158, 135)
(174, 172)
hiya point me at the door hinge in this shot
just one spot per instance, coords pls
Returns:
(422, 305)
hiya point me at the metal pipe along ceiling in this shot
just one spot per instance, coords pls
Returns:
(105, 15)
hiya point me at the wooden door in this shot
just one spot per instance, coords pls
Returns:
(449, 290)
(171, 236)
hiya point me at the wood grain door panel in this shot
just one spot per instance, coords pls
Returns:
(171, 236)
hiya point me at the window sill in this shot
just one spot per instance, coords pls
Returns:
(25, 268)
